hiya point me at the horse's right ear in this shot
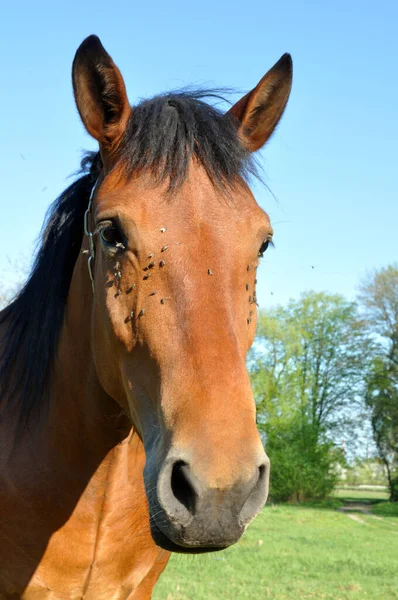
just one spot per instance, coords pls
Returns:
(100, 93)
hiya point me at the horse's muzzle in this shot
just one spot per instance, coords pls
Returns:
(188, 516)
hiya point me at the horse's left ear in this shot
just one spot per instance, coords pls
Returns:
(258, 112)
(100, 93)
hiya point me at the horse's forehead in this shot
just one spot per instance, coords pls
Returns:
(196, 201)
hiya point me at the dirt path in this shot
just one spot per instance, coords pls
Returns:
(350, 508)
(355, 507)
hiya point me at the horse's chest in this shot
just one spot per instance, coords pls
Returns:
(104, 558)
(103, 550)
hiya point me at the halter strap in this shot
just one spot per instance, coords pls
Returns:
(89, 234)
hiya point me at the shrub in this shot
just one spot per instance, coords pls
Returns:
(301, 462)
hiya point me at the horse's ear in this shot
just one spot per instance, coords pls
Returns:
(258, 112)
(100, 93)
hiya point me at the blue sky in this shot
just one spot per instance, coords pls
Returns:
(332, 164)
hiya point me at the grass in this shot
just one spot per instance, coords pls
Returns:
(302, 552)
(386, 509)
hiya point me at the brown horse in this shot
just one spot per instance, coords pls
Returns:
(127, 421)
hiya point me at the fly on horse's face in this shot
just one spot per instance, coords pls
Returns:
(177, 243)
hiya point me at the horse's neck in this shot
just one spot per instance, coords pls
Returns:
(71, 486)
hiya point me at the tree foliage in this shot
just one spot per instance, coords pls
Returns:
(307, 373)
(379, 298)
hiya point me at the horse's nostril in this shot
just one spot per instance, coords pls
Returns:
(257, 496)
(182, 486)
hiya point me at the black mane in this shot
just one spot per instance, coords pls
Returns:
(163, 135)
(34, 319)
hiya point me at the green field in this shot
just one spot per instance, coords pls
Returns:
(311, 551)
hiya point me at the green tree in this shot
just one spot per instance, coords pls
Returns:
(379, 298)
(12, 279)
(307, 374)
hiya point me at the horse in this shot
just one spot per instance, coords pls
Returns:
(127, 420)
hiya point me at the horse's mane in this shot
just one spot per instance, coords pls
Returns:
(166, 132)
(34, 319)
(163, 135)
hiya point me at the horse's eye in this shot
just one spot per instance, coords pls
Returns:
(110, 236)
(264, 246)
